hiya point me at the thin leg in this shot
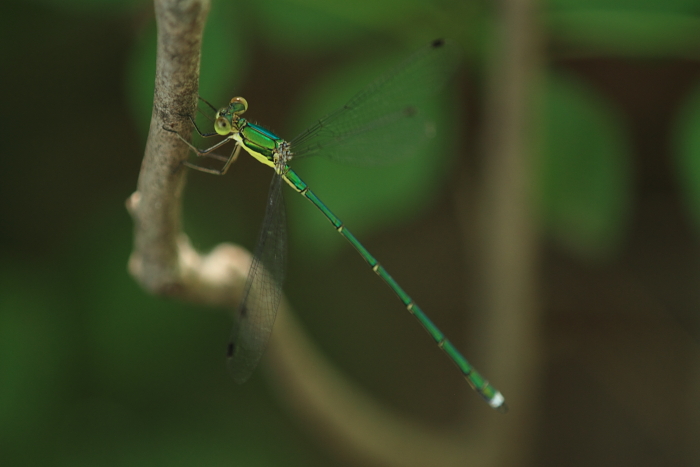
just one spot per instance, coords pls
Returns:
(201, 152)
(218, 157)
(230, 160)
(207, 102)
(199, 132)
(211, 119)
(203, 135)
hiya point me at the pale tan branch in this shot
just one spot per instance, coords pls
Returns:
(163, 261)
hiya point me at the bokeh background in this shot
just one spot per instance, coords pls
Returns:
(94, 371)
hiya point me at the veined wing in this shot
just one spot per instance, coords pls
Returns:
(263, 290)
(389, 113)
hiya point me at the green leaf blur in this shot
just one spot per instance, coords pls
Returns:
(687, 151)
(650, 28)
(584, 169)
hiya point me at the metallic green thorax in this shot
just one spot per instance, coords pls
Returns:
(258, 141)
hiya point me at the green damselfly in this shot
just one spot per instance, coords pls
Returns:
(384, 120)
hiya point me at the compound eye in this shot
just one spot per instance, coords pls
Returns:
(222, 126)
(238, 105)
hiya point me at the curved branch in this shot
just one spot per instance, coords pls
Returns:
(345, 418)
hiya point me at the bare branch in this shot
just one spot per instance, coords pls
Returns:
(163, 261)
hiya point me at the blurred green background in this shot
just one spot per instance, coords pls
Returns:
(94, 371)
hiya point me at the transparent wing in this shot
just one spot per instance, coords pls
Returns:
(385, 120)
(263, 290)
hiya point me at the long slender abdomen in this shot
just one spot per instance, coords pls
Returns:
(475, 380)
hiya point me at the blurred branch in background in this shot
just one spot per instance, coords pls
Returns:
(507, 241)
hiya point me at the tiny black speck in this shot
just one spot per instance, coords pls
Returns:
(438, 43)
(230, 349)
